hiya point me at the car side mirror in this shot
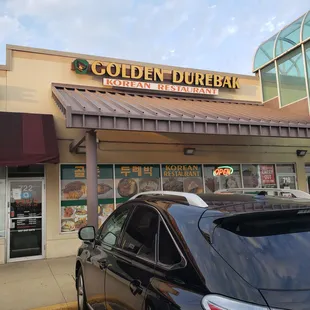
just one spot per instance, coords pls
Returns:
(87, 233)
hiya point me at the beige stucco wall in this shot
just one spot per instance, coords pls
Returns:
(27, 88)
(3, 90)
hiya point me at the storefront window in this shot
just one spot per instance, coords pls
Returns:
(285, 168)
(2, 202)
(74, 196)
(182, 178)
(133, 179)
(255, 176)
(250, 176)
(222, 177)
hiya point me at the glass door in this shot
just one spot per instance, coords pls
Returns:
(26, 209)
(287, 181)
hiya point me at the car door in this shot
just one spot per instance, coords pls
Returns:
(131, 265)
(95, 267)
(170, 287)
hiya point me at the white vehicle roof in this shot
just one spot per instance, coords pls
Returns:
(296, 192)
(192, 199)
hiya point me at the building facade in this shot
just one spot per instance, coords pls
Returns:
(81, 134)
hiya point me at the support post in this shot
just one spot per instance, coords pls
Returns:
(92, 179)
(302, 182)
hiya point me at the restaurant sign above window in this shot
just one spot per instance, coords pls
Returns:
(118, 75)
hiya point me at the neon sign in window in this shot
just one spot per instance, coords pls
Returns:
(223, 170)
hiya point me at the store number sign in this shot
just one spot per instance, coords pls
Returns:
(287, 180)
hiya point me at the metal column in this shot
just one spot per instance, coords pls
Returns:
(92, 179)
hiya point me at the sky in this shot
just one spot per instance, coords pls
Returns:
(217, 35)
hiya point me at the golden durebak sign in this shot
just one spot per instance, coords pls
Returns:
(153, 78)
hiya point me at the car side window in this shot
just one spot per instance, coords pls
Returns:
(140, 234)
(168, 252)
(112, 228)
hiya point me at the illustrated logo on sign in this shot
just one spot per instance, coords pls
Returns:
(81, 66)
(26, 195)
(223, 170)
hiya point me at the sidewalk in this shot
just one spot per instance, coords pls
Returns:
(36, 284)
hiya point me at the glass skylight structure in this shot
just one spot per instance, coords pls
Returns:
(283, 63)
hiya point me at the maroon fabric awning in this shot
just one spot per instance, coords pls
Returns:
(27, 139)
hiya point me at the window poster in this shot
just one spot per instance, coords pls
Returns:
(268, 176)
(134, 179)
(74, 196)
(251, 176)
(182, 178)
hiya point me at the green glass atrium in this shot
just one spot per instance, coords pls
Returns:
(283, 63)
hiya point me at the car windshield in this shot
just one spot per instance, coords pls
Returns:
(270, 251)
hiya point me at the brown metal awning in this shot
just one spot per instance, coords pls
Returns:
(93, 108)
(27, 139)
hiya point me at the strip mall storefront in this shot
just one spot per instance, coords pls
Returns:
(82, 134)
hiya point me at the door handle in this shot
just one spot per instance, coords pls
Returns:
(103, 264)
(135, 287)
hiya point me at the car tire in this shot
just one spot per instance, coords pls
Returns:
(80, 289)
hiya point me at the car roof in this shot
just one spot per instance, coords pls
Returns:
(296, 192)
(229, 203)
(190, 198)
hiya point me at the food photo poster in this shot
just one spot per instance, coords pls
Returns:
(129, 180)
(132, 179)
(183, 178)
(74, 196)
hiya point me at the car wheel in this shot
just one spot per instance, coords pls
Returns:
(81, 296)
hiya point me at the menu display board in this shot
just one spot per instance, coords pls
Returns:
(182, 178)
(133, 179)
(25, 224)
(74, 195)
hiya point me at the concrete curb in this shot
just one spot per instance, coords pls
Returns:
(66, 306)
